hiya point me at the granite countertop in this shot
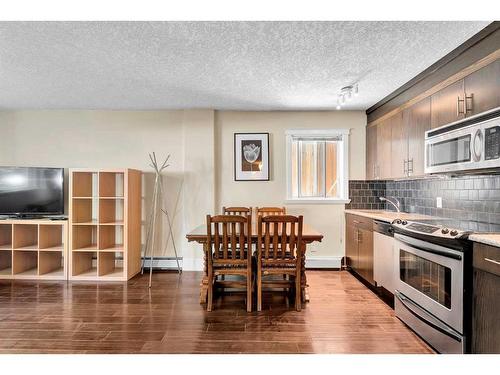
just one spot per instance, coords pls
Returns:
(492, 239)
(388, 216)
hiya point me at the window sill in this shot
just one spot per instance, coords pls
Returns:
(316, 201)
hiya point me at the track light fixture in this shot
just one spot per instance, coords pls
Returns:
(346, 94)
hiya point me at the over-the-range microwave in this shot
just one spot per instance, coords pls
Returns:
(468, 145)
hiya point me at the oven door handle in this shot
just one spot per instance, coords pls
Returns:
(426, 317)
(428, 247)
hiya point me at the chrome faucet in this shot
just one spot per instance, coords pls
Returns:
(396, 205)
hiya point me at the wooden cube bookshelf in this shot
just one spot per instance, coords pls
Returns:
(105, 224)
(33, 249)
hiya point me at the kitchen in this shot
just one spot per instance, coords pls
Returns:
(421, 231)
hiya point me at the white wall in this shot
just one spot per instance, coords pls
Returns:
(200, 179)
(123, 139)
(326, 218)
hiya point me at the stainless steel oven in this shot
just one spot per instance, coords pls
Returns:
(430, 284)
(467, 145)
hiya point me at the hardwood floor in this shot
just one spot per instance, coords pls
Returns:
(58, 317)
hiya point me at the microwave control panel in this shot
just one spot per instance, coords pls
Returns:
(492, 143)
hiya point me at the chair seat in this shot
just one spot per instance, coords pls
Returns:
(236, 263)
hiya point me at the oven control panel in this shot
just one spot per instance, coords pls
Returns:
(427, 229)
(492, 143)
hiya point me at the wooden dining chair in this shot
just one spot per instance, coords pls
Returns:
(279, 246)
(229, 252)
(241, 211)
(267, 211)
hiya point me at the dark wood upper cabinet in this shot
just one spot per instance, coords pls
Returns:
(399, 146)
(482, 89)
(384, 152)
(416, 121)
(371, 152)
(448, 105)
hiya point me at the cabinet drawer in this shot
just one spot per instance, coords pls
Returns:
(359, 222)
(487, 258)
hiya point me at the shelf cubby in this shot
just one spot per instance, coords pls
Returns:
(5, 236)
(84, 184)
(5, 262)
(110, 265)
(110, 238)
(84, 264)
(111, 184)
(51, 237)
(50, 263)
(84, 210)
(25, 263)
(111, 211)
(25, 237)
(84, 237)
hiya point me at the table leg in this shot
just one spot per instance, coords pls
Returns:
(303, 278)
(204, 280)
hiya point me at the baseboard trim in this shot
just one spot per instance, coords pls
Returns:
(331, 262)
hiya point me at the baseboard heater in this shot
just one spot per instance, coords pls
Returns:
(162, 263)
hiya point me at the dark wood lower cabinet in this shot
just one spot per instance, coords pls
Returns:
(359, 246)
(486, 300)
(365, 250)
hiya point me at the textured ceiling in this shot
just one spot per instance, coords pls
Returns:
(221, 65)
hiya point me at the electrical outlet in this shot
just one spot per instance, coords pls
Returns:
(439, 202)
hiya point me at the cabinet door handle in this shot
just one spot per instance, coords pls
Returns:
(470, 98)
(405, 170)
(459, 112)
(492, 261)
(410, 169)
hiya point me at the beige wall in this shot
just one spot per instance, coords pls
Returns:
(326, 218)
(200, 179)
(123, 139)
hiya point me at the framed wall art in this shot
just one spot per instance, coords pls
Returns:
(251, 156)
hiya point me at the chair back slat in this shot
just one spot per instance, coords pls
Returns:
(216, 241)
(224, 240)
(242, 240)
(279, 237)
(230, 238)
(292, 241)
(233, 240)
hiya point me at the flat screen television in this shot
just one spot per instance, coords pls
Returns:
(31, 191)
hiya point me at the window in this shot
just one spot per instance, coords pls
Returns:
(317, 166)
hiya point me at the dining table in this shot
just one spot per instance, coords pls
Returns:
(199, 235)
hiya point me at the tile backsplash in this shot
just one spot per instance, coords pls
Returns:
(472, 202)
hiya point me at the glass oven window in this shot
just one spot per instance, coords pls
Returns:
(429, 278)
(451, 151)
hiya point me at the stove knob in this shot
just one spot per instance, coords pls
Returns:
(398, 221)
(444, 230)
(453, 233)
(404, 222)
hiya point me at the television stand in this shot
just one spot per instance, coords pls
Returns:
(33, 249)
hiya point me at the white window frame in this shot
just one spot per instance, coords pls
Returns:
(344, 166)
